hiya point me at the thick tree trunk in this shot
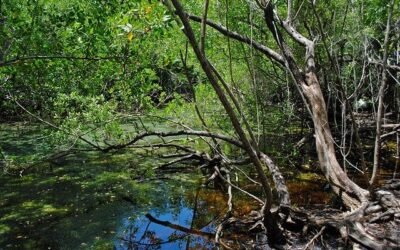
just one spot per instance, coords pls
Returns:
(349, 191)
(351, 194)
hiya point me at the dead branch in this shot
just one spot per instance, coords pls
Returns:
(145, 134)
(238, 188)
(184, 157)
(167, 145)
(314, 238)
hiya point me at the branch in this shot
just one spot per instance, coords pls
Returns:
(167, 145)
(297, 36)
(56, 57)
(314, 238)
(144, 134)
(289, 11)
(241, 38)
(184, 157)
(238, 188)
(203, 27)
(388, 65)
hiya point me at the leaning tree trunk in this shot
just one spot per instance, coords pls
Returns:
(274, 232)
(351, 194)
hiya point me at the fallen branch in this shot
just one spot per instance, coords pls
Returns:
(145, 134)
(314, 238)
(166, 145)
(181, 158)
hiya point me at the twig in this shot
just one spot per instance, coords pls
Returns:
(238, 188)
(314, 238)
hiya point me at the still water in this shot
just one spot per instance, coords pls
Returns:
(141, 233)
(97, 201)
(92, 200)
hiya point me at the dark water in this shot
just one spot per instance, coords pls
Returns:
(97, 201)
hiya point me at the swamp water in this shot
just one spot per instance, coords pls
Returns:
(100, 201)
(97, 201)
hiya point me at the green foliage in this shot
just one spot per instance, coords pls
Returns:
(92, 48)
(86, 116)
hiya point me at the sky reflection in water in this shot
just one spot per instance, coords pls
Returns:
(140, 233)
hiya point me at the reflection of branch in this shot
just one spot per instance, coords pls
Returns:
(138, 243)
(193, 216)
(208, 236)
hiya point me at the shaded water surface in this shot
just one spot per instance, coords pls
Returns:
(96, 201)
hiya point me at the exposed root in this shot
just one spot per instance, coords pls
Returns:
(375, 225)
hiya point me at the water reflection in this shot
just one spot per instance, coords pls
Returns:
(180, 218)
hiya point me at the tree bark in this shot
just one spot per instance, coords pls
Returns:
(351, 194)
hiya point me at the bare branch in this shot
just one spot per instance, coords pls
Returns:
(314, 238)
(167, 145)
(203, 27)
(144, 134)
(388, 65)
(238, 188)
(241, 38)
